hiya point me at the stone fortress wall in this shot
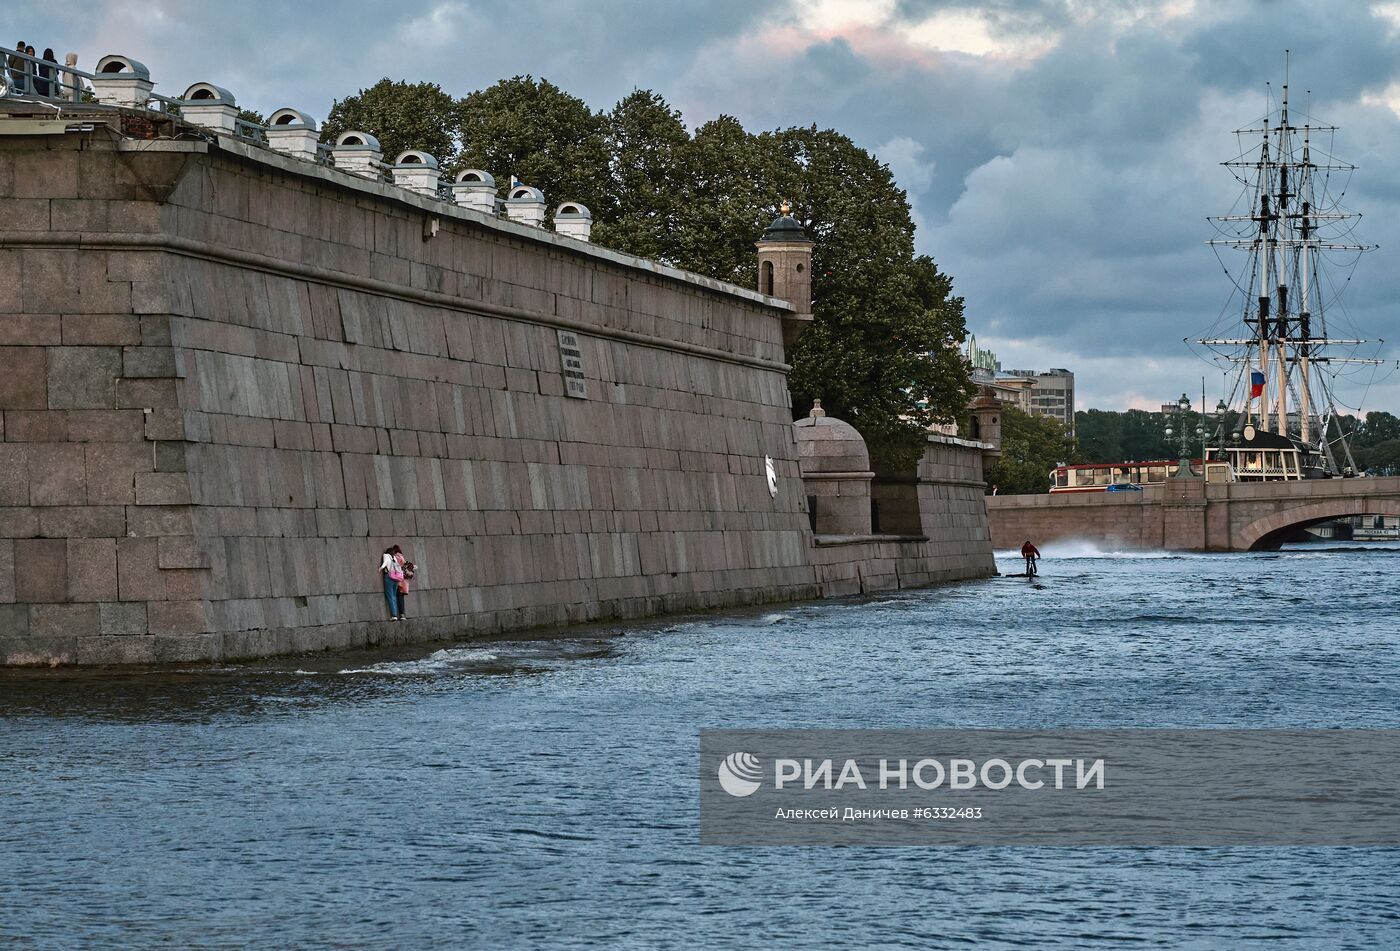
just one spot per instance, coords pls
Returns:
(232, 377)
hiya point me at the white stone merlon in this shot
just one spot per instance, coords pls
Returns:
(122, 81)
(526, 205)
(476, 190)
(417, 171)
(294, 133)
(358, 153)
(210, 106)
(573, 220)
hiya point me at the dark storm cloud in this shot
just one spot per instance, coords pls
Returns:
(1062, 177)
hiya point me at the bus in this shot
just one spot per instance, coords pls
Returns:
(1130, 476)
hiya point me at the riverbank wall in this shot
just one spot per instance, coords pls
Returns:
(233, 377)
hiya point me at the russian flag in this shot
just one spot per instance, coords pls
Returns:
(1256, 385)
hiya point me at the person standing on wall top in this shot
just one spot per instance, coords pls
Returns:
(407, 571)
(48, 75)
(19, 69)
(74, 81)
(31, 72)
(1032, 555)
(391, 574)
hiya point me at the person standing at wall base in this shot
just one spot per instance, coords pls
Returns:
(407, 571)
(391, 575)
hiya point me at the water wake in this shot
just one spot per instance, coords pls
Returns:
(444, 659)
(1070, 548)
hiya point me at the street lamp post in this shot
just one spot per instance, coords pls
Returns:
(1183, 464)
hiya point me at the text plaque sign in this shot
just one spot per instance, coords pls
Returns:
(571, 358)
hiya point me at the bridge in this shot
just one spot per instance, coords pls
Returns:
(1188, 514)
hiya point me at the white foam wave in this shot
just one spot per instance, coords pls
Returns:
(440, 660)
(1070, 548)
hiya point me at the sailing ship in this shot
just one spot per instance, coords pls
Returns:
(1296, 236)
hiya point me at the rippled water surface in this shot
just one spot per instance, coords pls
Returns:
(536, 792)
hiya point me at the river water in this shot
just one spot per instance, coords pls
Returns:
(542, 792)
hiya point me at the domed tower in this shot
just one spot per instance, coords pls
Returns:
(835, 467)
(785, 270)
(985, 421)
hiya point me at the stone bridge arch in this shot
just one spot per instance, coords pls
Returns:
(1268, 531)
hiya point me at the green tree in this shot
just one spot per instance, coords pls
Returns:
(1031, 447)
(1100, 435)
(645, 138)
(401, 116)
(1383, 457)
(543, 136)
(728, 195)
(882, 351)
(1380, 427)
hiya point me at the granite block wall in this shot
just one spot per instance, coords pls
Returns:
(232, 378)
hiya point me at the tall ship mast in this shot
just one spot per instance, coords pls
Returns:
(1296, 238)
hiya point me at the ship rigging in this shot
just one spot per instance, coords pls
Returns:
(1291, 224)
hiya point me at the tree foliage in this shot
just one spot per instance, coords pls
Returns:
(728, 196)
(1382, 458)
(645, 139)
(401, 116)
(882, 351)
(543, 136)
(1031, 447)
(1138, 436)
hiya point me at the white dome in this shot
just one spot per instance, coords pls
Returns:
(475, 176)
(291, 117)
(208, 92)
(416, 158)
(354, 139)
(113, 64)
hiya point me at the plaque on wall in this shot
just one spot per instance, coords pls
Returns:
(571, 358)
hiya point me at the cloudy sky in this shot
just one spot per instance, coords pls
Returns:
(1061, 155)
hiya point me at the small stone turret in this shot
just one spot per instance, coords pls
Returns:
(122, 81)
(526, 205)
(210, 106)
(293, 132)
(785, 270)
(835, 467)
(985, 421)
(475, 189)
(358, 153)
(416, 171)
(573, 220)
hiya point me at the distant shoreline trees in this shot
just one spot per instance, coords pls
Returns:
(883, 349)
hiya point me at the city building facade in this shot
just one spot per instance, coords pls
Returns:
(1049, 393)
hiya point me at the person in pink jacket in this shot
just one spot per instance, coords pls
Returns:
(406, 572)
(391, 574)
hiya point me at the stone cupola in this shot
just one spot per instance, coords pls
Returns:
(785, 270)
(835, 468)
